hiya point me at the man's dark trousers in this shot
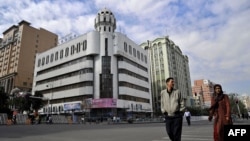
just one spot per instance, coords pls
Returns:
(188, 120)
(174, 127)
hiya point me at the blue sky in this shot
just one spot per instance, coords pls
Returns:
(215, 35)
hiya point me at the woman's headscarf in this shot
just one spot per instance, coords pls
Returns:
(217, 98)
(218, 85)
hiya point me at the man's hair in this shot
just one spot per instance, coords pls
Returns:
(168, 79)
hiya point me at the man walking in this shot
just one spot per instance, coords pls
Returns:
(187, 114)
(172, 106)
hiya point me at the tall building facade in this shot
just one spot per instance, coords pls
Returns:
(102, 72)
(167, 60)
(202, 91)
(18, 49)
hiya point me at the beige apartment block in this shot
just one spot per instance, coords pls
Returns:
(18, 49)
(167, 60)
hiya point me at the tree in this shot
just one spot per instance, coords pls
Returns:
(36, 102)
(3, 98)
(22, 102)
(234, 102)
(4, 105)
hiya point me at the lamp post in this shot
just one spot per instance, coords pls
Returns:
(237, 103)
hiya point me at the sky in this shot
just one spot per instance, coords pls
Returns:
(215, 35)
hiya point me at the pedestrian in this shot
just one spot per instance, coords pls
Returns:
(187, 114)
(47, 119)
(50, 119)
(220, 110)
(114, 119)
(242, 116)
(246, 115)
(82, 120)
(14, 119)
(172, 106)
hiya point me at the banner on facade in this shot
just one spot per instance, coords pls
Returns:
(104, 103)
(72, 106)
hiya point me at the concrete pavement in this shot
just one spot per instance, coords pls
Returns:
(198, 131)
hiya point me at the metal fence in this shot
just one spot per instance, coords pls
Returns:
(3, 118)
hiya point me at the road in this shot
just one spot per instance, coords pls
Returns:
(198, 131)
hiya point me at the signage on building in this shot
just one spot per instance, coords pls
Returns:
(104, 103)
(72, 106)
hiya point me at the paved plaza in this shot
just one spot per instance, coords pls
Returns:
(198, 131)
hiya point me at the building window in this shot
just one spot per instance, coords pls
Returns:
(84, 45)
(125, 47)
(138, 54)
(51, 57)
(145, 59)
(134, 52)
(78, 47)
(67, 52)
(39, 62)
(72, 49)
(130, 50)
(61, 54)
(47, 59)
(56, 56)
(141, 56)
(43, 60)
(24, 83)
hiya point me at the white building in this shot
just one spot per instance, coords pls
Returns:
(102, 70)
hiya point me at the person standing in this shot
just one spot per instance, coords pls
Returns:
(187, 114)
(172, 106)
(220, 110)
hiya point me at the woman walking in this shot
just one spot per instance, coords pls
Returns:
(220, 110)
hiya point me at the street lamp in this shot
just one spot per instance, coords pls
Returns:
(13, 94)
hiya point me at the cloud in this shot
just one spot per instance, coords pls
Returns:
(213, 34)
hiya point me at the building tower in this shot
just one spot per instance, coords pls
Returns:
(105, 23)
(18, 48)
(167, 60)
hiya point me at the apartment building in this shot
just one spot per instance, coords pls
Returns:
(18, 49)
(202, 92)
(167, 60)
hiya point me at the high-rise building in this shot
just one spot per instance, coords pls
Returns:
(203, 89)
(167, 60)
(102, 72)
(18, 49)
